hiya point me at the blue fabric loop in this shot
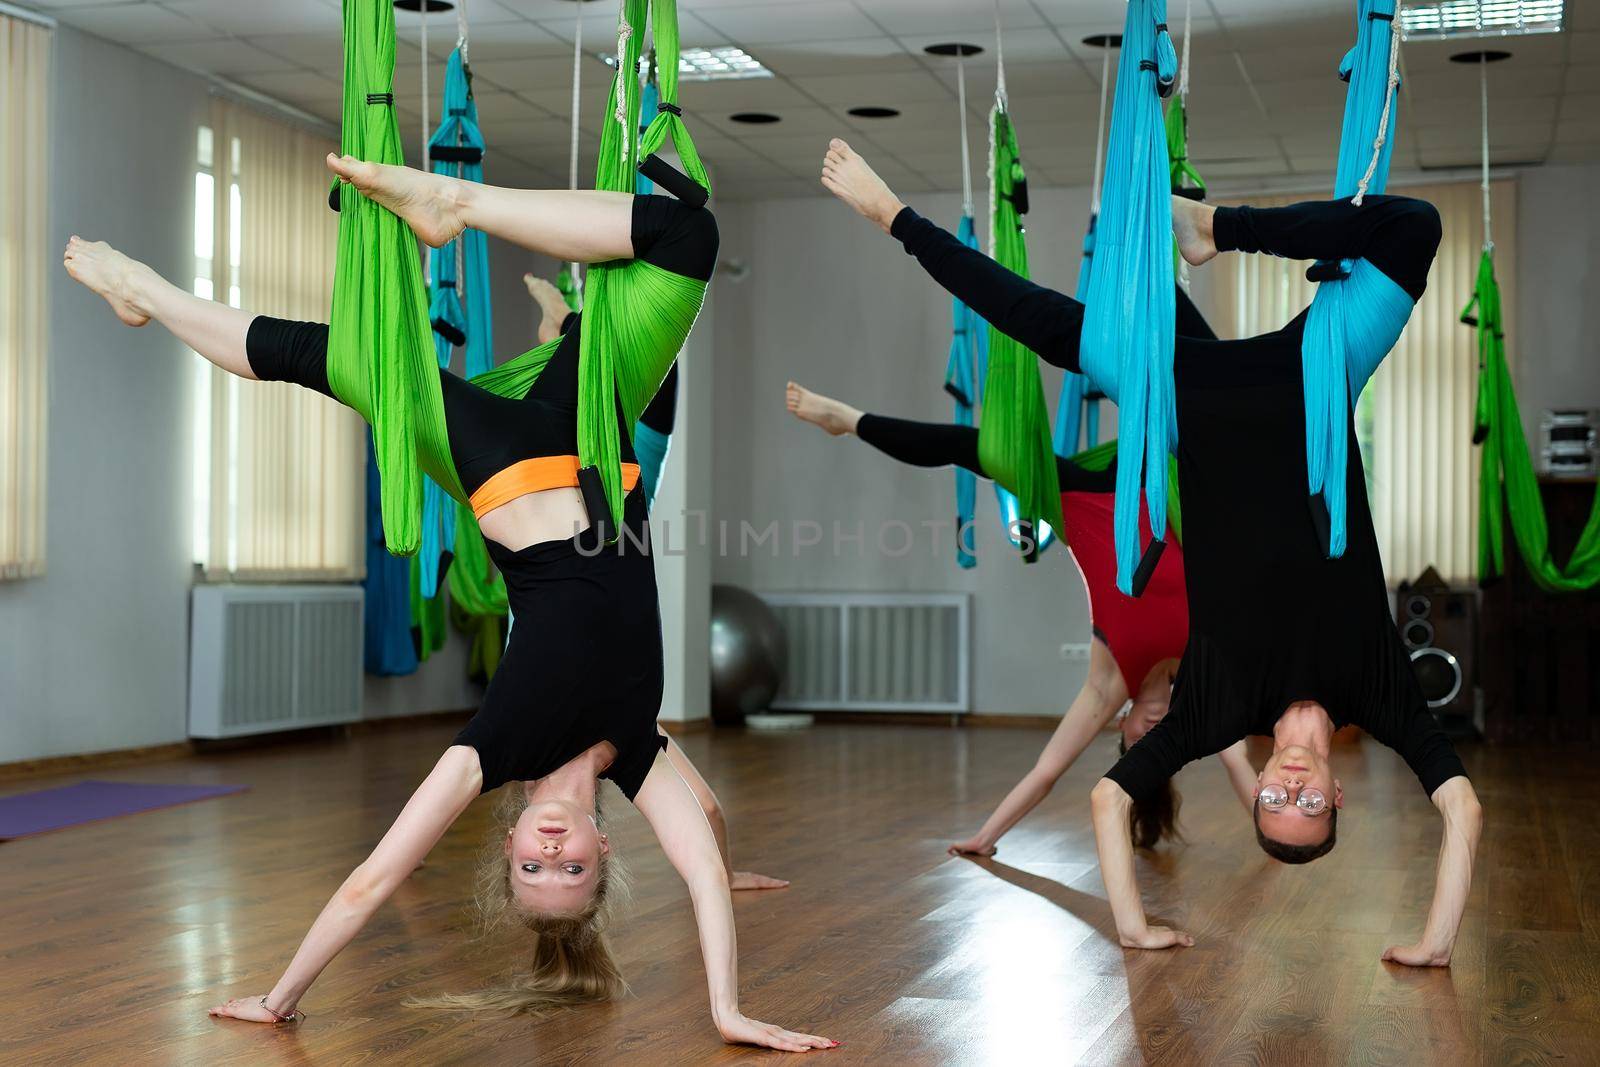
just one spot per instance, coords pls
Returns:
(1129, 319)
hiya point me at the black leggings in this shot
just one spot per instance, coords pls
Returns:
(1396, 234)
(489, 433)
(933, 444)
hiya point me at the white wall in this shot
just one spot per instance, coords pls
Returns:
(94, 655)
(833, 303)
(1556, 336)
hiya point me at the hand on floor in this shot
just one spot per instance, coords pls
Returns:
(972, 846)
(750, 880)
(1416, 956)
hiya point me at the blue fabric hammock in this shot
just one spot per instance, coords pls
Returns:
(1358, 312)
(387, 619)
(1130, 319)
(1078, 406)
(459, 306)
(969, 358)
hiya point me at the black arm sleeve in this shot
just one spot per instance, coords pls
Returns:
(1397, 715)
(1203, 720)
(280, 350)
(1046, 321)
(1396, 234)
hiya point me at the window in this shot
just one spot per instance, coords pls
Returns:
(279, 471)
(1414, 420)
(24, 351)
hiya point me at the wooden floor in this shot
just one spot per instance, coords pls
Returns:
(115, 937)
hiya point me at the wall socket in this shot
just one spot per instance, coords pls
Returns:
(1072, 651)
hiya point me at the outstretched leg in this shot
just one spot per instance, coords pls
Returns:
(582, 225)
(138, 294)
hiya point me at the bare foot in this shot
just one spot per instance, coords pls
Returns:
(429, 203)
(1191, 225)
(751, 880)
(832, 415)
(847, 176)
(111, 274)
(552, 306)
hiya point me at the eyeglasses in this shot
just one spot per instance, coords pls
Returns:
(1276, 798)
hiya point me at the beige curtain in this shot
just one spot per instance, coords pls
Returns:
(25, 265)
(1415, 417)
(286, 490)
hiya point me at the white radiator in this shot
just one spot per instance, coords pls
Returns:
(875, 651)
(273, 657)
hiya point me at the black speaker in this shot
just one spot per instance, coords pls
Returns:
(1439, 625)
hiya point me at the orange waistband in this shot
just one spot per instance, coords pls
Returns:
(536, 475)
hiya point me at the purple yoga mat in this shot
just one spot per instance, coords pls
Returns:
(72, 805)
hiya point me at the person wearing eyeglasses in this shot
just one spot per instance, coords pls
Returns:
(1284, 641)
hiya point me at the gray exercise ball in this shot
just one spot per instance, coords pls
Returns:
(749, 654)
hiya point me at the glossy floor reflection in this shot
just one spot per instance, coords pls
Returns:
(118, 935)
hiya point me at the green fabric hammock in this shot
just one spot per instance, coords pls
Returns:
(1507, 463)
(380, 353)
(1015, 445)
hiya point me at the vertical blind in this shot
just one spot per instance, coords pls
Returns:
(1414, 420)
(282, 495)
(25, 267)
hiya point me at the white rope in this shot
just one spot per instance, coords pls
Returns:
(999, 61)
(1100, 131)
(1483, 92)
(427, 152)
(577, 95)
(577, 59)
(461, 244)
(966, 153)
(1183, 69)
(1383, 120)
(624, 31)
(422, 14)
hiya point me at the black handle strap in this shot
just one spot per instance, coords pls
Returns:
(450, 153)
(593, 491)
(674, 181)
(1147, 566)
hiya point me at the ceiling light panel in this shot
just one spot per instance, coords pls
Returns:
(1455, 19)
(711, 64)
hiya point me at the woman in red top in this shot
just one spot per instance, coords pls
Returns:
(1137, 642)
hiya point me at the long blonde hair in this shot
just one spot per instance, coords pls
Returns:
(571, 959)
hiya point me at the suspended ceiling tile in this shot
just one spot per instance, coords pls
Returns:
(799, 120)
(230, 58)
(278, 16)
(497, 108)
(816, 21)
(513, 40)
(138, 24)
(1062, 75)
(302, 88)
(542, 77)
(316, 51)
(867, 55)
(888, 90)
(1582, 78)
(748, 94)
(1031, 46)
(957, 17)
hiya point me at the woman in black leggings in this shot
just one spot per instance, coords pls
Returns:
(1283, 641)
(576, 696)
